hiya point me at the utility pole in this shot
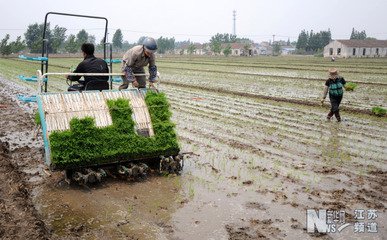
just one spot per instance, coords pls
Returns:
(234, 18)
(272, 44)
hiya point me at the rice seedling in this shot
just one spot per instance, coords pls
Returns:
(379, 111)
(350, 86)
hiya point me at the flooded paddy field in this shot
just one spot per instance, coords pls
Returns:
(252, 169)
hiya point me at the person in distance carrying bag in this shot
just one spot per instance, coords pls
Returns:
(334, 85)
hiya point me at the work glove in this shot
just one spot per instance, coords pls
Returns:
(135, 83)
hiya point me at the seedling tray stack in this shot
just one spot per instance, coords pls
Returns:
(109, 127)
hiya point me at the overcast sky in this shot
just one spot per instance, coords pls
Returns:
(198, 20)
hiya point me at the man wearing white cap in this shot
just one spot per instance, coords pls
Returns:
(134, 61)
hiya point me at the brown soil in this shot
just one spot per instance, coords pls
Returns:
(275, 76)
(263, 201)
(18, 216)
(261, 96)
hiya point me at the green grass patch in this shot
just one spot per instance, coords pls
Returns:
(37, 118)
(350, 86)
(379, 111)
(85, 144)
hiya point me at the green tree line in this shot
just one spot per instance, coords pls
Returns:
(59, 42)
(217, 40)
(8, 48)
(358, 35)
(312, 42)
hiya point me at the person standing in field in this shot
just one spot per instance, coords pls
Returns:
(334, 85)
(134, 61)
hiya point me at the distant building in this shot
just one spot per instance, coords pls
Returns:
(237, 49)
(265, 48)
(182, 49)
(286, 50)
(199, 49)
(241, 49)
(356, 48)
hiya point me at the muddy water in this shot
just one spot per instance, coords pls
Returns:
(114, 210)
(279, 87)
(205, 202)
(255, 169)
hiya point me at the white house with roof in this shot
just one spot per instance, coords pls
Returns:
(356, 48)
(287, 50)
(198, 49)
(265, 48)
(241, 49)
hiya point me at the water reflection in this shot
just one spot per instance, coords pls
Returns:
(114, 210)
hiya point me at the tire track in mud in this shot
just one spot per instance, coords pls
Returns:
(293, 184)
(275, 67)
(264, 148)
(295, 62)
(18, 217)
(300, 91)
(212, 114)
(281, 195)
(356, 106)
(287, 181)
(271, 76)
(290, 183)
(278, 88)
(19, 170)
(291, 141)
(284, 124)
(271, 147)
(260, 96)
(257, 151)
(291, 114)
(278, 108)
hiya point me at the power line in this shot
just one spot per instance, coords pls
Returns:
(143, 32)
(12, 29)
(234, 19)
(190, 34)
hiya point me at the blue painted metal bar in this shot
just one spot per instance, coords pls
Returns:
(143, 91)
(25, 98)
(33, 58)
(114, 60)
(30, 79)
(46, 140)
(116, 79)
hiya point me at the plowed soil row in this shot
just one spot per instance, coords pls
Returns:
(276, 160)
(254, 166)
(221, 88)
(18, 217)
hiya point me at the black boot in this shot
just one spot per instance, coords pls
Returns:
(330, 114)
(123, 86)
(337, 115)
